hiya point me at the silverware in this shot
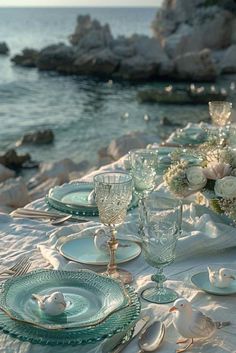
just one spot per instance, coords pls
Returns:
(151, 337)
(137, 329)
(18, 264)
(31, 213)
(61, 220)
(23, 269)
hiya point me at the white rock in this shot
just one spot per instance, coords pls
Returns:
(100, 61)
(42, 189)
(14, 193)
(196, 66)
(119, 147)
(184, 40)
(60, 170)
(5, 173)
(90, 34)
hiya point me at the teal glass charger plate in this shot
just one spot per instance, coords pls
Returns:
(82, 249)
(120, 321)
(72, 198)
(90, 298)
(201, 280)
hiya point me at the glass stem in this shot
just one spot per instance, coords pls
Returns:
(141, 216)
(180, 220)
(113, 245)
(159, 278)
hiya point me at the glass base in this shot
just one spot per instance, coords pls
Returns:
(163, 296)
(122, 275)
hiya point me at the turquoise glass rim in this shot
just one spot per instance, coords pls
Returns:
(91, 297)
(119, 322)
(90, 211)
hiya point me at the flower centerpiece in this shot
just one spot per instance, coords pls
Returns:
(214, 177)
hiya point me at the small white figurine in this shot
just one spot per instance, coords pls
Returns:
(221, 278)
(91, 198)
(101, 238)
(53, 304)
(192, 323)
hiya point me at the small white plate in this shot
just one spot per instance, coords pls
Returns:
(201, 280)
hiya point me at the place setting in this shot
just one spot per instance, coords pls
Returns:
(140, 217)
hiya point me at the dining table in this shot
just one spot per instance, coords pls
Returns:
(210, 240)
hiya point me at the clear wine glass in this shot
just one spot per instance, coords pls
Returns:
(113, 193)
(159, 238)
(144, 164)
(220, 112)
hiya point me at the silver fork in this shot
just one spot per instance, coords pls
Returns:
(23, 269)
(16, 266)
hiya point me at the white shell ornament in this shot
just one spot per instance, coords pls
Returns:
(52, 304)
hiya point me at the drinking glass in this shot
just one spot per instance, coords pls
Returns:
(144, 163)
(220, 112)
(159, 237)
(113, 193)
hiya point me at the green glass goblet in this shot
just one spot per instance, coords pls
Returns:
(113, 193)
(159, 239)
(144, 163)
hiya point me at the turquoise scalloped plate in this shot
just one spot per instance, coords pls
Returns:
(118, 322)
(90, 298)
(73, 198)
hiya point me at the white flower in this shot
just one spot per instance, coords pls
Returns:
(196, 178)
(217, 170)
(226, 187)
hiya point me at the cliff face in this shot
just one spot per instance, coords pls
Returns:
(184, 26)
(193, 40)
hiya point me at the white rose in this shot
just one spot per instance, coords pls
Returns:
(226, 187)
(196, 177)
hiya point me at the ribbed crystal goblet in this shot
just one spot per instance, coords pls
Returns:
(113, 193)
(144, 164)
(159, 238)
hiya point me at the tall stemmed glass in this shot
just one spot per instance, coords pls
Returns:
(220, 112)
(159, 238)
(144, 173)
(113, 192)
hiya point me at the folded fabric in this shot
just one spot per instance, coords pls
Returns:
(57, 261)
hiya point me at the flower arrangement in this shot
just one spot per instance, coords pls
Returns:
(214, 176)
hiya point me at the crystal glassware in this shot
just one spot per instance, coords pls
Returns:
(144, 164)
(220, 112)
(159, 238)
(113, 193)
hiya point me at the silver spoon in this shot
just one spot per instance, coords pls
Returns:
(61, 220)
(151, 337)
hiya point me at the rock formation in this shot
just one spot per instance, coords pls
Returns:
(4, 50)
(37, 137)
(193, 40)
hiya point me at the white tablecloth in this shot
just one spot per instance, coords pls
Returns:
(21, 236)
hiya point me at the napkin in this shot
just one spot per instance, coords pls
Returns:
(57, 261)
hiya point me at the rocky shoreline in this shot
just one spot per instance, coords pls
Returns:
(192, 40)
(16, 191)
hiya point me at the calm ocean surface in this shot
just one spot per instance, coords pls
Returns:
(84, 113)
